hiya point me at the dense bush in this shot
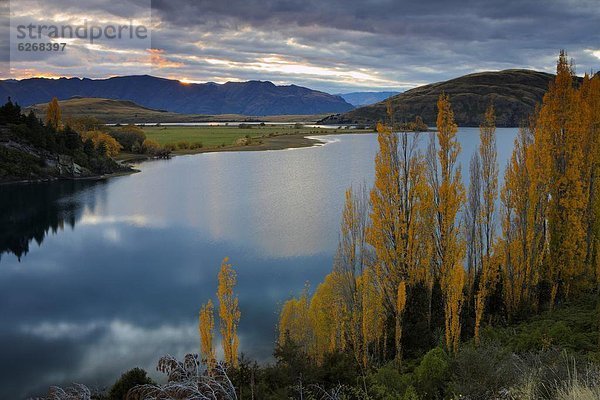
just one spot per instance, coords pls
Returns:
(127, 381)
(183, 145)
(18, 164)
(130, 137)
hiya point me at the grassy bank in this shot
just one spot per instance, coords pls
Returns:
(186, 139)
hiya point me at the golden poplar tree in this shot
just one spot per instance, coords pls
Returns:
(206, 326)
(444, 177)
(373, 316)
(393, 233)
(559, 136)
(488, 155)
(229, 313)
(350, 262)
(589, 118)
(53, 114)
(328, 318)
(295, 324)
(519, 218)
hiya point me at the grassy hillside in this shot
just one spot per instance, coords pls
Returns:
(514, 94)
(124, 111)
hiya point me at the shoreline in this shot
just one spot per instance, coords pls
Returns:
(64, 178)
(279, 142)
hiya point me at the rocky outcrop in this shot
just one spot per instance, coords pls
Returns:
(38, 164)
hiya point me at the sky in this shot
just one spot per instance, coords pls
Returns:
(331, 45)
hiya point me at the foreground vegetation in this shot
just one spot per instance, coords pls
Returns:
(551, 356)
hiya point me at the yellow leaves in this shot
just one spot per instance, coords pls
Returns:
(548, 196)
(229, 313)
(453, 289)
(447, 128)
(328, 316)
(229, 318)
(523, 224)
(401, 298)
(317, 324)
(54, 114)
(100, 139)
(396, 212)
(150, 146)
(562, 130)
(294, 322)
(448, 200)
(206, 325)
(324, 323)
(400, 305)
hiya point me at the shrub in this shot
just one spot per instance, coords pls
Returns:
(128, 381)
(410, 394)
(128, 136)
(105, 144)
(150, 147)
(432, 374)
(183, 145)
(196, 145)
(185, 380)
(554, 375)
(85, 124)
(387, 383)
(482, 372)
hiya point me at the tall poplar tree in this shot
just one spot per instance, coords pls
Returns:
(229, 313)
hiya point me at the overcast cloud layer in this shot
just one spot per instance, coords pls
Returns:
(334, 46)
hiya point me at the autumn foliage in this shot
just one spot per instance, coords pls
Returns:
(229, 313)
(229, 319)
(206, 326)
(54, 114)
(418, 253)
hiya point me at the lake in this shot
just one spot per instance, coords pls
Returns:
(99, 277)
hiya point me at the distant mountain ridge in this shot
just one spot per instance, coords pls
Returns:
(247, 98)
(513, 92)
(358, 99)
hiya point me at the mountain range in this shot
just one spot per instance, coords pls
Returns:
(247, 98)
(513, 92)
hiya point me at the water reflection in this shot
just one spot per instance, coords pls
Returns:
(30, 212)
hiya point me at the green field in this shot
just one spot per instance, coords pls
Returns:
(218, 136)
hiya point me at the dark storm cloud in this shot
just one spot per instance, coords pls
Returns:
(405, 42)
(345, 45)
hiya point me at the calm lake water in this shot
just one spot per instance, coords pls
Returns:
(99, 277)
